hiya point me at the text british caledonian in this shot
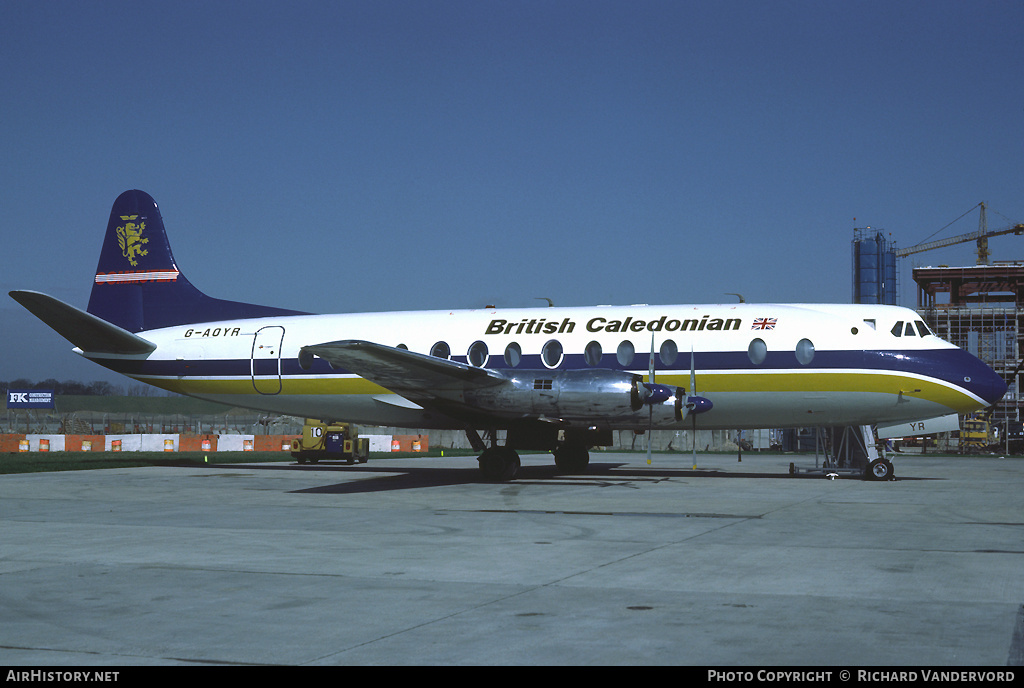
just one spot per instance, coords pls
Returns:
(629, 324)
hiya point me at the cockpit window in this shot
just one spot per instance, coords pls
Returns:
(906, 329)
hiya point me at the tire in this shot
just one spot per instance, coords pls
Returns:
(879, 470)
(499, 464)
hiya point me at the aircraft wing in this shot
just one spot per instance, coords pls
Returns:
(413, 375)
(89, 333)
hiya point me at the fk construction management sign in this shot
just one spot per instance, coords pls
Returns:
(30, 398)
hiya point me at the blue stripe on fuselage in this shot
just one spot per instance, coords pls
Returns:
(954, 366)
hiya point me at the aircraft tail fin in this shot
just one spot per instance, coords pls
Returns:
(138, 285)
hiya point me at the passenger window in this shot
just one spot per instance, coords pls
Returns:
(669, 352)
(625, 353)
(477, 354)
(804, 351)
(513, 355)
(757, 351)
(441, 350)
(897, 329)
(551, 353)
(592, 353)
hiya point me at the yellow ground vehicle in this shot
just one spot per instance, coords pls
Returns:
(976, 433)
(330, 441)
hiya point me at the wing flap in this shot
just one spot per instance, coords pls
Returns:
(404, 372)
(89, 333)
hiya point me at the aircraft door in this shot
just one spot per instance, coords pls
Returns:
(266, 359)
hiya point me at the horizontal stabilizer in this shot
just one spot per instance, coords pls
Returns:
(402, 371)
(86, 331)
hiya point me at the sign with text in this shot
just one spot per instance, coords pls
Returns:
(30, 398)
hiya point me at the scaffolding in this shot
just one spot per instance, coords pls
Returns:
(979, 309)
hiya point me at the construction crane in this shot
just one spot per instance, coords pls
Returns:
(981, 236)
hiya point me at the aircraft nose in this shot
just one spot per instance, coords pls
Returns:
(991, 387)
(982, 380)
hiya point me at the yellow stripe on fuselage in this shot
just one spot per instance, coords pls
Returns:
(844, 381)
(708, 383)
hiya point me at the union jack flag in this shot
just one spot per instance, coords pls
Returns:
(764, 324)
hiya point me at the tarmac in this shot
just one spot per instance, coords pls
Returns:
(416, 562)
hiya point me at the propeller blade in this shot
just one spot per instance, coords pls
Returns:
(693, 391)
(650, 407)
(650, 371)
(693, 374)
(650, 424)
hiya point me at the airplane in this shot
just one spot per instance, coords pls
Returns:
(553, 378)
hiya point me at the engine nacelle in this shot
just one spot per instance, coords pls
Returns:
(586, 395)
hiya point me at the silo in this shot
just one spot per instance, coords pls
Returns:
(889, 274)
(874, 268)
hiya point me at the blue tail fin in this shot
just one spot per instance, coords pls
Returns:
(138, 285)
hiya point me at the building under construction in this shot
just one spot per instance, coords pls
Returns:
(979, 308)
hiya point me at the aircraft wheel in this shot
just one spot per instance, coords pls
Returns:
(572, 458)
(880, 469)
(499, 464)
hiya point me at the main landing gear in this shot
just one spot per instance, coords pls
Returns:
(501, 463)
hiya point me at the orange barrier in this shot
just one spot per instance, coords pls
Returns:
(274, 442)
(186, 443)
(196, 443)
(410, 443)
(10, 443)
(84, 443)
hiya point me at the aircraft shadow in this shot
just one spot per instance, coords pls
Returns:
(395, 478)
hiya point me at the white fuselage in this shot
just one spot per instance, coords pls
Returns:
(762, 365)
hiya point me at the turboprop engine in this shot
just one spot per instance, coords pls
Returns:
(590, 395)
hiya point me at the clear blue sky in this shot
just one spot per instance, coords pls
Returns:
(381, 155)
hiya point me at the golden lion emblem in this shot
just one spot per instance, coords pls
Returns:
(129, 238)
